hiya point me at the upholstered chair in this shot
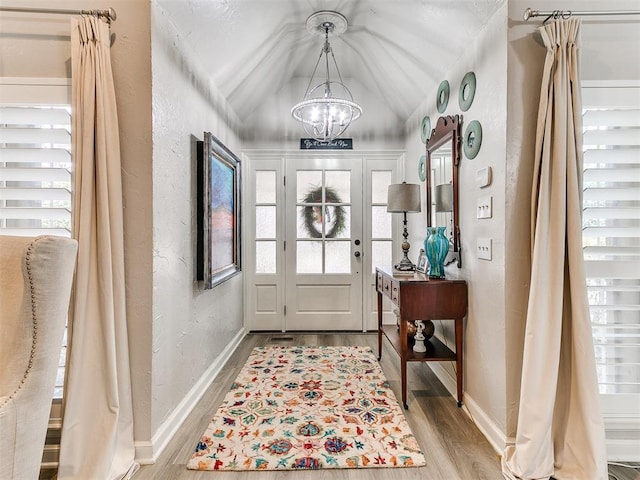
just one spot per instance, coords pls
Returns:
(36, 275)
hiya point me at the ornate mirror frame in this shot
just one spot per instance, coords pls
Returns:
(447, 129)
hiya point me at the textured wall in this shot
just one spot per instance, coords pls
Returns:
(191, 326)
(485, 381)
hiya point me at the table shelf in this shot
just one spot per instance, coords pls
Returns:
(436, 350)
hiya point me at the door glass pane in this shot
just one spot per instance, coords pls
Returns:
(381, 255)
(380, 222)
(266, 257)
(309, 221)
(266, 186)
(380, 182)
(338, 186)
(337, 221)
(309, 186)
(309, 257)
(337, 257)
(266, 222)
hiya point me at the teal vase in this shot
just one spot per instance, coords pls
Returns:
(436, 247)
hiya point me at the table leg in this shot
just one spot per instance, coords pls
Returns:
(379, 326)
(403, 360)
(459, 363)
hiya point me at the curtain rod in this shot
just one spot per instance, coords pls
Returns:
(530, 13)
(109, 14)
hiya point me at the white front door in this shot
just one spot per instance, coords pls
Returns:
(323, 253)
(315, 228)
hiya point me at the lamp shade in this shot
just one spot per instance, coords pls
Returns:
(403, 197)
(444, 198)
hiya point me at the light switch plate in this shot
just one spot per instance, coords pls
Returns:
(484, 207)
(483, 248)
(483, 177)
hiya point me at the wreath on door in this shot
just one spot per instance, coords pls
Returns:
(315, 216)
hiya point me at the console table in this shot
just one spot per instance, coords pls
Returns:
(420, 298)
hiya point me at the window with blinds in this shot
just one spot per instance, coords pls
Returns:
(611, 240)
(35, 173)
(35, 187)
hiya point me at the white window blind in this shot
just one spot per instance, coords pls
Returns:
(35, 173)
(611, 241)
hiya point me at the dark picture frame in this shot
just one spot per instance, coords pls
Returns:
(219, 200)
(421, 266)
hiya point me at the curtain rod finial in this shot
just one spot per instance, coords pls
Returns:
(528, 13)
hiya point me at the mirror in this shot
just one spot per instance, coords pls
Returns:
(443, 159)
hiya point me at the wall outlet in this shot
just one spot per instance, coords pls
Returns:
(483, 249)
(484, 207)
(483, 177)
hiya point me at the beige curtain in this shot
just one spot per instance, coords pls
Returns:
(560, 432)
(97, 433)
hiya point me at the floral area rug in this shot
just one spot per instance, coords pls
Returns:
(308, 408)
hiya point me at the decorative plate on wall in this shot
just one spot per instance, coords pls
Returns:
(425, 129)
(442, 100)
(422, 168)
(472, 139)
(467, 91)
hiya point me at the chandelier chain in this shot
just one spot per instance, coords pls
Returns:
(313, 75)
(327, 49)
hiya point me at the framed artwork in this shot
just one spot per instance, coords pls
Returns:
(421, 266)
(218, 212)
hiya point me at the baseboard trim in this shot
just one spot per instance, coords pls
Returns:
(148, 452)
(496, 438)
(624, 447)
(623, 438)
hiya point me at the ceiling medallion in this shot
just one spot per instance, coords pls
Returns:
(328, 107)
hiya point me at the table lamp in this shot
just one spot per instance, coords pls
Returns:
(402, 198)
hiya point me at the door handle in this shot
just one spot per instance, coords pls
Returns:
(357, 254)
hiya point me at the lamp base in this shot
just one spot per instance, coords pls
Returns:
(405, 265)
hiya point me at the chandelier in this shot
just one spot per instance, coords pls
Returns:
(327, 108)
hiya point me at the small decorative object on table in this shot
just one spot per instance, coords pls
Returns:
(419, 346)
(422, 262)
(436, 247)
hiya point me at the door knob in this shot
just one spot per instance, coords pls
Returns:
(357, 254)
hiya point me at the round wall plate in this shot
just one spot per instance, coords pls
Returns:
(442, 100)
(425, 129)
(467, 91)
(422, 168)
(472, 139)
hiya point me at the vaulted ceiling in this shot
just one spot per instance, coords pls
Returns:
(394, 52)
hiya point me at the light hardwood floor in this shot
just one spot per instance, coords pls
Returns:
(453, 446)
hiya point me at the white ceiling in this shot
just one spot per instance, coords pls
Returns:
(393, 53)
